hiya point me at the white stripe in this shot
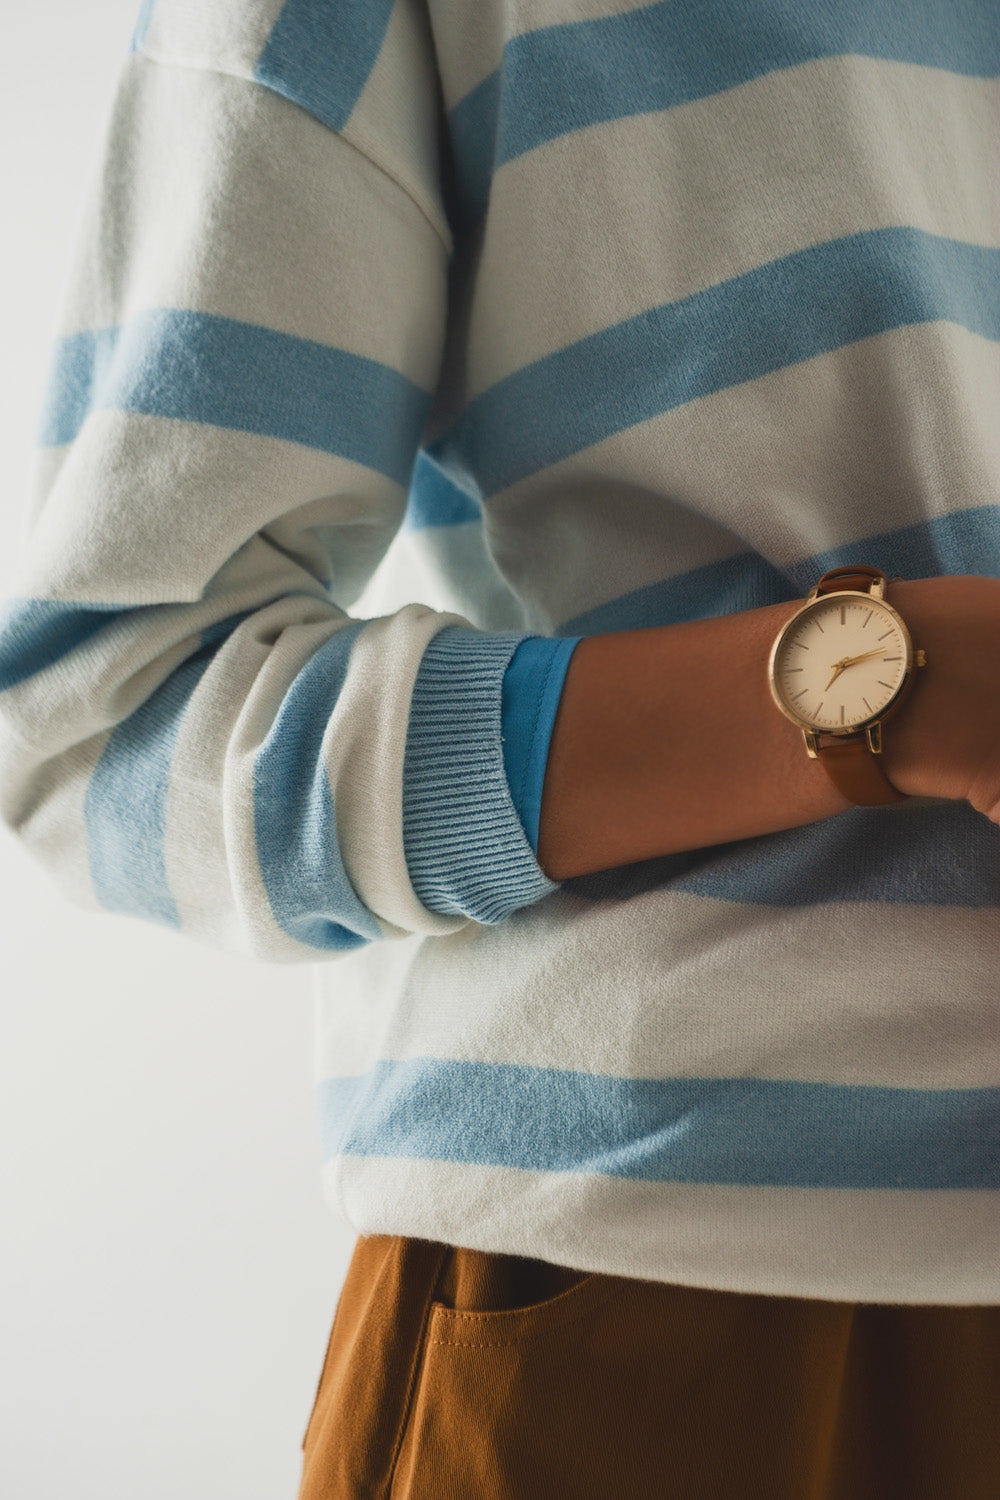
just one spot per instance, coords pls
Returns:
(207, 856)
(44, 802)
(449, 568)
(228, 35)
(725, 474)
(226, 199)
(697, 194)
(117, 477)
(672, 985)
(534, 15)
(847, 1246)
(395, 121)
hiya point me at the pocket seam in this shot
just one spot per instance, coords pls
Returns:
(600, 1288)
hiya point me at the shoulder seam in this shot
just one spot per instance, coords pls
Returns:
(198, 65)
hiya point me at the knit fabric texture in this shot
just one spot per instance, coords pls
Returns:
(404, 332)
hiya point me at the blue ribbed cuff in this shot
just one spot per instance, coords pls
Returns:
(466, 849)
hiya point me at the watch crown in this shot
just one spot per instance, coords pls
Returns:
(921, 658)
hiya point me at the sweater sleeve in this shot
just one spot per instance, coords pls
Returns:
(195, 729)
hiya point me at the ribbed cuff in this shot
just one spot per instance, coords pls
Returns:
(466, 850)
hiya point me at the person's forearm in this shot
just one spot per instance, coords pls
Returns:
(668, 739)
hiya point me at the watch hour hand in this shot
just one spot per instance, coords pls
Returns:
(838, 667)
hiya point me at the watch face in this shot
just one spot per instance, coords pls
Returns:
(840, 662)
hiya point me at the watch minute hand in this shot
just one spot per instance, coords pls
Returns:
(849, 661)
(852, 661)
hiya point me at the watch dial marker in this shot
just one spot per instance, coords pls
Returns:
(888, 632)
(867, 618)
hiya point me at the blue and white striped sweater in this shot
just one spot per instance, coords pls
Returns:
(564, 317)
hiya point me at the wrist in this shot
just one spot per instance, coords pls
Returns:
(942, 742)
(838, 670)
(651, 752)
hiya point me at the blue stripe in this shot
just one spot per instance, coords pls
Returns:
(195, 367)
(792, 309)
(142, 23)
(126, 802)
(747, 1132)
(744, 581)
(37, 633)
(568, 77)
(941, 854)
(966, 541)
(80, 370)
(436, 500)
(477, 128)
(320, 53)
(296, 827)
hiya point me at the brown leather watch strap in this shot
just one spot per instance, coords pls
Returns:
(855, 772)
(850, 764)
(858, 577)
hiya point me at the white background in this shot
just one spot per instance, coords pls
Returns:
(168, 1269)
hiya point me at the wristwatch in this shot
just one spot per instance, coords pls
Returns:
(841, 665)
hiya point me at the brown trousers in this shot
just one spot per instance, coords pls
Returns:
(455, 1375)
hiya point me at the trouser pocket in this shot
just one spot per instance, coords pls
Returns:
(506, 1349)
(457, 1375)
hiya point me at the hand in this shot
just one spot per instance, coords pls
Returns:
(945, 739)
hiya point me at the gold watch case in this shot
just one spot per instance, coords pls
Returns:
(828, 614)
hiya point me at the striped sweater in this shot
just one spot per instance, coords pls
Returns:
(556, 316)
